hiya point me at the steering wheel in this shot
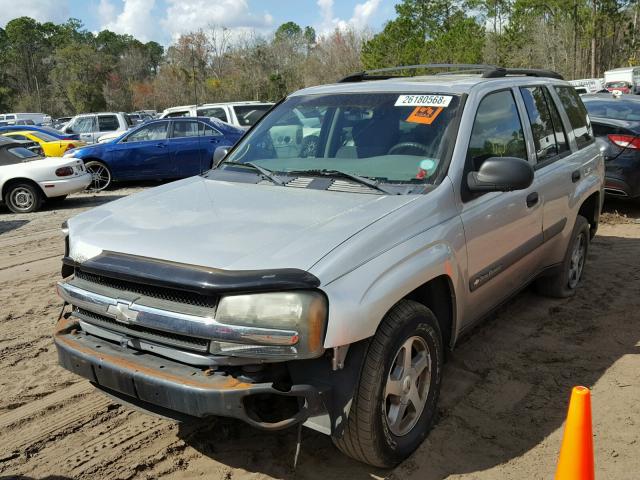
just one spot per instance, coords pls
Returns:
(414, 145)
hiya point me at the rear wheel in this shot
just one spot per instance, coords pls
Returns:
(101, 176)
(564, 282)
(394, 405)
(23, 198)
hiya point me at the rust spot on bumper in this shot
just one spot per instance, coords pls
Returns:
(62, 335)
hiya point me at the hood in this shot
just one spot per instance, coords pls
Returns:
(227, 225)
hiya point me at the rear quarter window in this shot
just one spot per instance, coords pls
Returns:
(577, 113)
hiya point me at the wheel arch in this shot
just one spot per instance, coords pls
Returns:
(590, 209)
(13, 181)
(438, 295)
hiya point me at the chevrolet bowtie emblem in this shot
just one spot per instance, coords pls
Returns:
(122, 312)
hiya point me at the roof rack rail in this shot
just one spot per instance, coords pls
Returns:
(500, 72)
(380, 73)
(488, 71)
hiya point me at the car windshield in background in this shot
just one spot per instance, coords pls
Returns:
(22, 152)
(248, 115)
(618, 109)
(388, 138)
(617, 85)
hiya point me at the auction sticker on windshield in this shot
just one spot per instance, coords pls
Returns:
(423, 101)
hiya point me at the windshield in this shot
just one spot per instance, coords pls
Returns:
(22, 152)
(248, 115)
(617, 84)
(387, 137)
(617, 109)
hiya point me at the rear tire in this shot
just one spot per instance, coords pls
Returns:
(23, 198)
(564, 282)
(101, 175)
(394, 405)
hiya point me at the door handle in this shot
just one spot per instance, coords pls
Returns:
(532, 199)
(160, 145)
(575, 176)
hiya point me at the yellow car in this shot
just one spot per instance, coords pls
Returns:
(51, 146)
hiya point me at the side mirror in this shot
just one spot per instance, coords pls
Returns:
(68, 130)
(501, 174)
(218, 155)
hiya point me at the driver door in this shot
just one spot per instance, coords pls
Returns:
(143, 154)
(502, 229)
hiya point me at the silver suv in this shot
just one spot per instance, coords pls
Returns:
(321, 271)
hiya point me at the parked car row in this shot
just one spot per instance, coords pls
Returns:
(28, 179)
(157, 150)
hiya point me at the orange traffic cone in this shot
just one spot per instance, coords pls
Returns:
(576, 454)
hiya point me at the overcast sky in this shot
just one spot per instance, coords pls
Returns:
(165, 20)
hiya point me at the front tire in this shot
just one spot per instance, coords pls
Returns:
(394, 405)
(23, 198)
(564, 282)
(100, 173)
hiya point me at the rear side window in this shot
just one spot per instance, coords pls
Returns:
(182, 113)
(497, 130)
(577, 114)
(215, 112)
(548, 141)
(208, 131)
(248, 115)
(107, 123)
(185, 129)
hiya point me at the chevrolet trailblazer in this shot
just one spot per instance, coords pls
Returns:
(318, 274)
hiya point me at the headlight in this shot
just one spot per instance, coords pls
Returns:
(69, 154)
(302, 315)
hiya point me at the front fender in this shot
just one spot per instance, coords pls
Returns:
(359, 300)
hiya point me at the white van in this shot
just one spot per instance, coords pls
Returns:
(624, 80)
(14, 118)
(239, 114)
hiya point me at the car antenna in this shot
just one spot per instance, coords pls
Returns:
(195, 101)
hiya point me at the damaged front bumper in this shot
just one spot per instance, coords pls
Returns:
(153, 382)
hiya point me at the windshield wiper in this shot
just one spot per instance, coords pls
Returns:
(340, 174)
(263, 171)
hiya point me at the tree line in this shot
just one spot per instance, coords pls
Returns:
(65, 69)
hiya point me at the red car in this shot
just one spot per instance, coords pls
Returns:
(620, 86)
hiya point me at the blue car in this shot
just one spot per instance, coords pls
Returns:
(157, 150)
(48, 130)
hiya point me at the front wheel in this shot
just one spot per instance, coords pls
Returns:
(394, 405)
(23, 198)
(101, 176)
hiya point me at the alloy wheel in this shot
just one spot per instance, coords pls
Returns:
(100, 176)
(407, 386)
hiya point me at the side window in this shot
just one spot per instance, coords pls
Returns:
(108, 123)
(215, 112)
(181, 113)
(548, 140)
(577, 114)
(83, 125)
(558, 128)
(19, 137)
(183, 129)
(208, 131)
(497, 130)
(155, 131)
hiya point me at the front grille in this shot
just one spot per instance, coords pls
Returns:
(137, 331)
(149, 290)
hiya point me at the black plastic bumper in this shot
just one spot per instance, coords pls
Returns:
(145, 379)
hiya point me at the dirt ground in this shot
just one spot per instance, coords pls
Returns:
(505, 387)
